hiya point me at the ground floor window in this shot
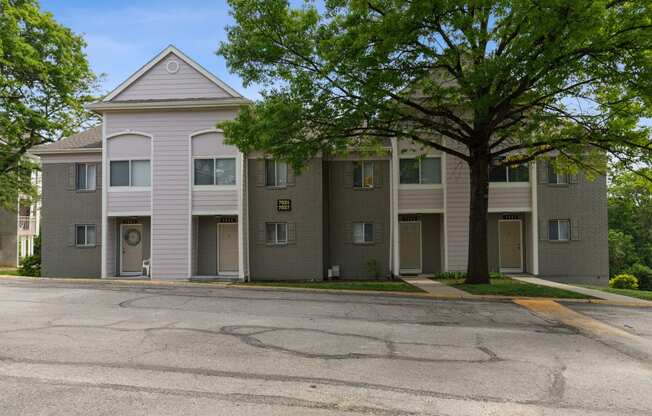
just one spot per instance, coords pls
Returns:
(363, 232)
(85, 235)
(559, 230)
(277, 233)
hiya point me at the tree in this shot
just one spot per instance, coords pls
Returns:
(478, 80)
(45, 80)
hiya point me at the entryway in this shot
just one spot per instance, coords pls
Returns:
(410, 247)
(510, 253)
(131, 246)
(227, 248)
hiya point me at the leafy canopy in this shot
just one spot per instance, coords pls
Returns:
(489, 77)
(45, 80)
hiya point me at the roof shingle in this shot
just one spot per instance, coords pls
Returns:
(87, 139)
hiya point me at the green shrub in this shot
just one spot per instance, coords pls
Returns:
(643, 274)
(31, 265)
(624, 281)
(462, 275)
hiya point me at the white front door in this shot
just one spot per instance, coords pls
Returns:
(227, 248)
(410, 247)
(131, 260)
(509, 249)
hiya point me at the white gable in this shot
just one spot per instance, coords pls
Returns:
(171, 75)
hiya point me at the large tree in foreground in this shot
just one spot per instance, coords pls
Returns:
(45, 80)
(479, 80)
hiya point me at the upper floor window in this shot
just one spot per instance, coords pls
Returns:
(85, 235)
(276, 233)
(276, 173)
(363, 232)
(214, 171)
(85, 177)
(420, 171)
(556, 178)
(515, 173)
(363, 174)
(559, 230)
(133, 173)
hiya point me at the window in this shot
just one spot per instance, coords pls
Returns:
(215, 171)
(554, 177)
(363, 232)
(420, 171)
(502, 173)
(276, 233)
(85, 235)
(135, 173)
(363, 174)
(85, 177)
(276, 173)
(559, 230)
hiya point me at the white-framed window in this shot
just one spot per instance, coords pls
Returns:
(502, 173)
(363, 174)
(420, 171)
(559, 230)
(276, 233)
(276, 173)
(85, 235)
(85, 176)
(363, 232)
(214, 171)
(130, 173)
(556, 178)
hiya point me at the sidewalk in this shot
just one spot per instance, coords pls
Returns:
(436, 288)
(599, 294)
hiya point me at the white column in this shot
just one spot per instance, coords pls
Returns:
(444, 180)
(241, 178)
(395, 178)
(534, 217)
(105, 222)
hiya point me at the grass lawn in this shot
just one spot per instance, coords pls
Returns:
(9, 271)
(379, 285)
(507, 287)
(634, 293)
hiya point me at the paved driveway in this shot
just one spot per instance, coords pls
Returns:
(68, 349)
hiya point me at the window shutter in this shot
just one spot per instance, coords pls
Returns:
(98, 235)
(98, 176)
(292, 233)
(572, 178)
(378, 232)
(72, 170)
(574, 230)
(71, 235)
(378, 175)
(543, 230)
(348, 233)
(542, 170)
(347, 180)
(260, 172)
(260, 233)
(291, 177)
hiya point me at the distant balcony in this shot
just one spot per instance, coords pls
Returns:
(26, 225)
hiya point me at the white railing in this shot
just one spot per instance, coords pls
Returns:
(26, 225)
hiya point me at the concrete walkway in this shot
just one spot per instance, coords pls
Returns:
(436, 288)
(583, 290)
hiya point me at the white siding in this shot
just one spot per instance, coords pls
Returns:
(128, 146)
(128, 202)
(171, 132)
(158, 83)
(215, 201)
(110, 247)
(212, 144)
(510, 198)
(457, 212)
(418, 200)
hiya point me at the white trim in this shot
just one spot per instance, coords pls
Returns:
(158, 58)
(207, 103)
(217, 255)
(152, 228)
(420, 269)
(105, 221)
(534, 217)
(421, 211)
(241, 230)
(509, 209)
(65, 151)
(444, 181)
(205, 131)
(123, 273)
(520, 243)
(116, 214)
(215, 212)
(509, 185)
(420, 187)
(395, 251)
(128, 132)
(129, 188)
(213, 187)
(191, 181)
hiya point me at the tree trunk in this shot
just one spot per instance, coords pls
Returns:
(478, 263)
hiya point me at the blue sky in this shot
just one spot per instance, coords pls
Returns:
(124, 35)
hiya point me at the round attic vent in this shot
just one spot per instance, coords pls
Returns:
(172, 67)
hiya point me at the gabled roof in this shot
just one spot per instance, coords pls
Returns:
(171, 49)
(86, 141)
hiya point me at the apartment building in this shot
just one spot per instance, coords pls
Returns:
(155, 190)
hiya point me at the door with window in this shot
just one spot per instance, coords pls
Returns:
(410, 247)
(227, 247)
(510, 251)
(131, 249)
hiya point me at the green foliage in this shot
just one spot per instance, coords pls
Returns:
(31, 265)
(624, 281)
(643, 274)
(45, 80)
(462, 275)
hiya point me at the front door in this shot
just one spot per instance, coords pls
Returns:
(227, 256)
(410, 247)
(511, 256)
(132, 249)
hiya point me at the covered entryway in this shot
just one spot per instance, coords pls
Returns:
(510, 237)
(216, 247)
(410, 246)
(131, 249)
(227, 248)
